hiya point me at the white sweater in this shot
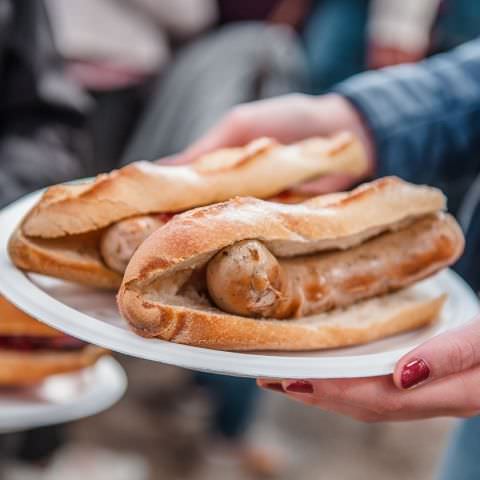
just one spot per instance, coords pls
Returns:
(404, 24)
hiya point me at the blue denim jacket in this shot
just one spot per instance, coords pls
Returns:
(425, 121)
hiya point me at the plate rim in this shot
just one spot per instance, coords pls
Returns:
(39, 304)
(106, 368)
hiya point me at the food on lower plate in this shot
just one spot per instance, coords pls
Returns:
(332, 271)
(88, 232)
(31, 351)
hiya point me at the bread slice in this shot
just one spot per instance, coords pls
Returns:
(60, 235)
(75, 258)
(163, 294)
(15, 322)
(205, 327)
(27, 368)
(19, 368)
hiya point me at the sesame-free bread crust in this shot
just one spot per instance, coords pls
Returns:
(18, 368)
(27, 368)
(60, 235)
(261, 169)
(160, 295)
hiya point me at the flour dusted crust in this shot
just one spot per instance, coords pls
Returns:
(60, 235)
(161, 294)
(261, 169)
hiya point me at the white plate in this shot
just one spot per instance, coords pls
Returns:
(92, 316)
(63, 398)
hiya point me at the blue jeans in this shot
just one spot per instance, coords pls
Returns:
(462, 459)
(334, 38)
(234, 402)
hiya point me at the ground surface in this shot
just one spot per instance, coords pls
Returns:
(159, 431)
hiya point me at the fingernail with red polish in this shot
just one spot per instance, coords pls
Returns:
(275, 386)
(300, 386)
(413, 373)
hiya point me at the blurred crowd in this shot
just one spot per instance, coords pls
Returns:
(90, 85)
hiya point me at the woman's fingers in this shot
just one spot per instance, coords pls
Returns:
(235, 129)
(288, 119)
(451, 352)
(378, 399)
(336, 406)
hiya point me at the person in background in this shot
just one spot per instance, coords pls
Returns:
(42, 141)
(345, 37)
(115, 49)
(42, 137)
(282, 12)
(421, 122)
(399, 32)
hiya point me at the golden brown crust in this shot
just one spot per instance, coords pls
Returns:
(72, 258)
(51, 238)
(262, 169)
(159, 296)
(27, 368)
(24, 368)
(322, 223)
(361, 323)
(15, 322)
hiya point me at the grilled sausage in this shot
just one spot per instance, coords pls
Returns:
(119, 241)
(247, 279)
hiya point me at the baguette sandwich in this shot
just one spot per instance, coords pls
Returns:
(88, 232)
(333, 271)
(31, 351)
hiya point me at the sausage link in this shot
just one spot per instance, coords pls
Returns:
(119, 241)
(247, 279)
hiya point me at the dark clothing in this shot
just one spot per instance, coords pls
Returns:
(41, 112)
(234, 64)
(425, 121)
(245, 11)
(41, 141)
(333, 51)
(234, 402)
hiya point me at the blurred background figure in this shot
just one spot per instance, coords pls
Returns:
(247, 56)
(345, 37)
(42, 141)
(114, 50)
(90, 85)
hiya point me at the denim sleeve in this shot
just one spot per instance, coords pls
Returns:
(424, 118)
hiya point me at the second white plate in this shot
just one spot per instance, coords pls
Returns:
(63, 398)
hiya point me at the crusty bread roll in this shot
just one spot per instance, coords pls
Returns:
(62, 235)
(164, 290)
(247, 279)
(27, 368)
(15, 322)
(22, 367)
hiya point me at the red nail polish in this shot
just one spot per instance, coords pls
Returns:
(275, 386)
(413, 373)
(300, 386)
